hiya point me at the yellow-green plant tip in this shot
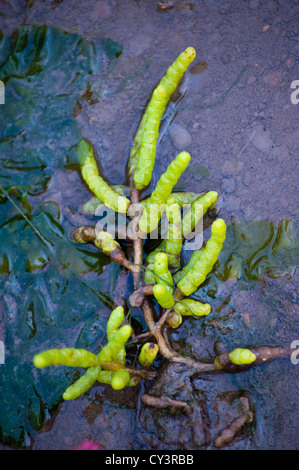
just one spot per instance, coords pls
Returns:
(120, 379)
(204, 263)
(148, 354)
(157, 201)
(175, 72)
(218, 225)
(190, 53)
(114, 322)
(162, 273)
(147, 151)
(82, 384)
(192, 307)
(240, 356)
(161, 258)
(100, 188)
(115, 350)
(163, 296)
(39, 361)
(174, 319)
(71, 357)
(105, 242)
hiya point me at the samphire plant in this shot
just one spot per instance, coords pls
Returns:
(162, 286)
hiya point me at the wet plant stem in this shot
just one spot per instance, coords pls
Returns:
(137, 242)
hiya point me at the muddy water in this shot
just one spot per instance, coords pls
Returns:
(240, 126)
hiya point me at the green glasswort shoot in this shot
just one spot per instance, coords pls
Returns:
(164, 289)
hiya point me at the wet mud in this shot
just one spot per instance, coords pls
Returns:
(240, 126)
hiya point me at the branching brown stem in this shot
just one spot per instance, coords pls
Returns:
(137, 297)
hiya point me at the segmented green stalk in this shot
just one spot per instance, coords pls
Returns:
(184, 197)
(170, 82)
(196, 275)
(241, 356)
(105, 242)
(176, 71)
(65, 357)
(198, 209)
(114, 322)
(160, 249)
(83, 384)
(152, 212)
(192, 307)
(179, 274)
(174, 239)
(163, 296)
(149, 276)
(147, 151)
(120, 379)
(106, 376)
(116, 344)
(161, 269)
(148, 354)
(113, 325)
(95, 182)
(181, 197)
(90, 206)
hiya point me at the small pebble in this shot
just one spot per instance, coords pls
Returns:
(180, 137)
(228, 185)
(251, 80)
(261, 139)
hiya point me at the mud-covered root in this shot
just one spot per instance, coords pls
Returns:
(164, 402)
(240, 359)
(228, 434)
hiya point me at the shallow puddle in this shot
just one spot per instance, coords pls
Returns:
(71, 71)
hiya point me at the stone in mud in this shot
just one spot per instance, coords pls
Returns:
(261, 139)
(180, 137)
(274, 78)
(228, 185)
